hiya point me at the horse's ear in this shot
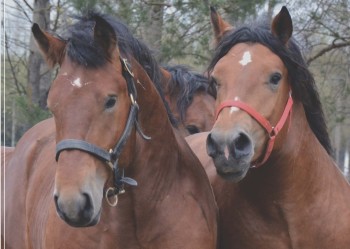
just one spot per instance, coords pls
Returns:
(166, 77)
(220, 26)
(282, 25)
(104, 36)
(52, 47)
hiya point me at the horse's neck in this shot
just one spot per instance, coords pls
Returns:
(157, 161)
(300, 181)
(300, 165)
(171, 181)
(165, 180)
(155, 123)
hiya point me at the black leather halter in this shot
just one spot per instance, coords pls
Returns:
(111, 157)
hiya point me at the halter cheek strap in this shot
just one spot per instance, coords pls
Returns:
(272, 131)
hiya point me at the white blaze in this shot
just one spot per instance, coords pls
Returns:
(226, 152)
(233, 108)
(246, 58)
(76, 83)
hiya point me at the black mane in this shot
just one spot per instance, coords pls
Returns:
(82, 49)
(184, 84)
(301, 80)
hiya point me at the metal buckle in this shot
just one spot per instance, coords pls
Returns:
(133, 101)
(127, 67)
(273, 133)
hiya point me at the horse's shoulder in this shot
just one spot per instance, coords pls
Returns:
(23, 161)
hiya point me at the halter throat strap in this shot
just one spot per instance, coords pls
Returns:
(272, 131)
(111, 157)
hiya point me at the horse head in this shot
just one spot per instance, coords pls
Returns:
(190, 97)
(253, 97)
(93, 102)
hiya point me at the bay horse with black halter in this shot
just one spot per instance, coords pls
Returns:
(269, 161)
(105, 106)
(191, 99)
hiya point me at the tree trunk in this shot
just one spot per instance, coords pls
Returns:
(39, 76)
(337, 134)
(14, 123)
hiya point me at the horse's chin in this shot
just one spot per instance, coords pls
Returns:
(92, 222)
(233, 177)
(230, 169)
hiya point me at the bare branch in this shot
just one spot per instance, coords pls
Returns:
(23, 10)
(327, 49)
(12, 67)
(30, 7)
(58, 12)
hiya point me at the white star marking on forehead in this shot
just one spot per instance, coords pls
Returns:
(76, 83)
(246, 58)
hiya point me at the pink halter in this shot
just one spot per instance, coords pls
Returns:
(271, 130)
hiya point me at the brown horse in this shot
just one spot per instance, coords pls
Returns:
(103, 103)
(275, 183)
(191, 99)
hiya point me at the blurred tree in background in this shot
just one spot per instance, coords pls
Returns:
(179, 32)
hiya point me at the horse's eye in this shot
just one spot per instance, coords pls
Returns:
(275, 79)
(111, 100)
(192, 129)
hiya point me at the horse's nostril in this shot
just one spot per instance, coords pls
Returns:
(58, 208)
(88, 204)
(212, 149)
(242, 142)
(241, 146)
(55, 197)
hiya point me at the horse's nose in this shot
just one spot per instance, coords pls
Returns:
(77, 211)
(241, 146)
(237, 143)
(214, 145)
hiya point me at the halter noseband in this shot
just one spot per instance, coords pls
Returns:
(111, 157)
(272, 131)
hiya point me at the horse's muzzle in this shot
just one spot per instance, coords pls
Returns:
(77, 212)
(231, 153)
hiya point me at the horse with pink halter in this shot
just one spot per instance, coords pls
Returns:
(268, 155)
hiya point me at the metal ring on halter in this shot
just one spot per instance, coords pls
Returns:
(115, 202)
(272, 133)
